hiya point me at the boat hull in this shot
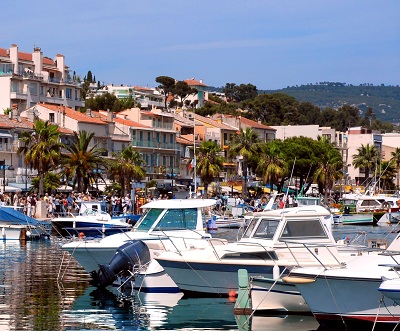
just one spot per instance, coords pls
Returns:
(12, 232)
(334, 296)
(275, 295)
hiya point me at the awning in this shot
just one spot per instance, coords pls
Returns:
(5, 134)
(20, 186)
(10, 189)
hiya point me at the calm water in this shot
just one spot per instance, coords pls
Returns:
(32, 298)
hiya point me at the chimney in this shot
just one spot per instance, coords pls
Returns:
(37, 58)
(89, 112)
(14, 57)
(110, 115)
(60, 63)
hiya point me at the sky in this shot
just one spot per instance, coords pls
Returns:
(270, 44)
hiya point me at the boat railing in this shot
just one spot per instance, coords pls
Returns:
(339, 252)
(188, 242)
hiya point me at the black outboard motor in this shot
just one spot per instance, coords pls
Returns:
(127, 256)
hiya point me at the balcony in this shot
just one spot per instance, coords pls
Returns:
(153, 144)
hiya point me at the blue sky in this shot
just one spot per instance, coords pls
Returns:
(270, 44)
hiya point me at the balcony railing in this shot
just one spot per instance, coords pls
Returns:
(153, 144)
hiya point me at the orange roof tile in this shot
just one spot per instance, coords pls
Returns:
(193, 82)
(74, 114)
(213, 123)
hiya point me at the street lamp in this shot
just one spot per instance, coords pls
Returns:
(3, 166)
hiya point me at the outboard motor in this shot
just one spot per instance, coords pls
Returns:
(128, 255)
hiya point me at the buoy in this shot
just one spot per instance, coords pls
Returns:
(232, 294)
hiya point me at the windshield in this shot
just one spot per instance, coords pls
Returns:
(171, 219)
(304, 229)
(266, 229)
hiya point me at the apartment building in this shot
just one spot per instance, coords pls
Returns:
(30, 78)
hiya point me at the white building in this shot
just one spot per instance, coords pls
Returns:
(30, 78)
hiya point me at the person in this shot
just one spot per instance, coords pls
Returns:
(33, 205)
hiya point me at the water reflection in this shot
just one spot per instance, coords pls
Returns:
(33, 298)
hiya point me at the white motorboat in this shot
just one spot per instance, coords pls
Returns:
(391, 288)
(263, 251)
(91, 221)
(165, 225)
(352, 293)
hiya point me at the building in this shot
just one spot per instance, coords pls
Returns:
(27, 79)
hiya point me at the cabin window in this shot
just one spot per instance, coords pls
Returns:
(149, 219)
(303, 229)
(266, 229)
(178, 219)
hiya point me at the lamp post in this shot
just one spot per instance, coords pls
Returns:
(3, 166)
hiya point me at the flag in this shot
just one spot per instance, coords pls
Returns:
(191, 164)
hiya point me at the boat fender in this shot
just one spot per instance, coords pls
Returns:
(129, 255)
(275, 272)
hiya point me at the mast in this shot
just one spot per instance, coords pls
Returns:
(194, 155)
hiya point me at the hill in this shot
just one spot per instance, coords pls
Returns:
(384, 100)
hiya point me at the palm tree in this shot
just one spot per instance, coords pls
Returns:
(41, 149)
(386, 172)
(209, 163)
(329, 168)
(128, 166)
(81, 161)
(396, 159)
(270, 164)
(367, 157)
(245, 144)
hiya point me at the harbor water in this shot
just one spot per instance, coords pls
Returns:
(32, 296)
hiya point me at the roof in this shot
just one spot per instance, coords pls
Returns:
(193, 82)
(253, 124)
(213, 123)
(74, 114)
(22, 123)
(180, 203)
(185, 140)
(24, 56)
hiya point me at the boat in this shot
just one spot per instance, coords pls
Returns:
(165, 225)
(91, 221)
(12, 231)
(365, 209)
(16, 225)
(364, 290)
(263, 250)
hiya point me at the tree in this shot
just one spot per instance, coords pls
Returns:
(52, 181)
(366, 158)
(396, 160)
(127, 166)
(183, 90)
(81, 161)
(209, 162)
(244, 144)
(271, 165)
(41, 149)
(238, 93)
(329, 167)
(166, 87)
(385, 173)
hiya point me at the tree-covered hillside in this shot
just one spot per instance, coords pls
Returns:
(384, 100)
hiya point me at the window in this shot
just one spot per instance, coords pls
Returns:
(297, 229)
(68, 93)
(266, 229)
(51, 117)
(33, 88)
